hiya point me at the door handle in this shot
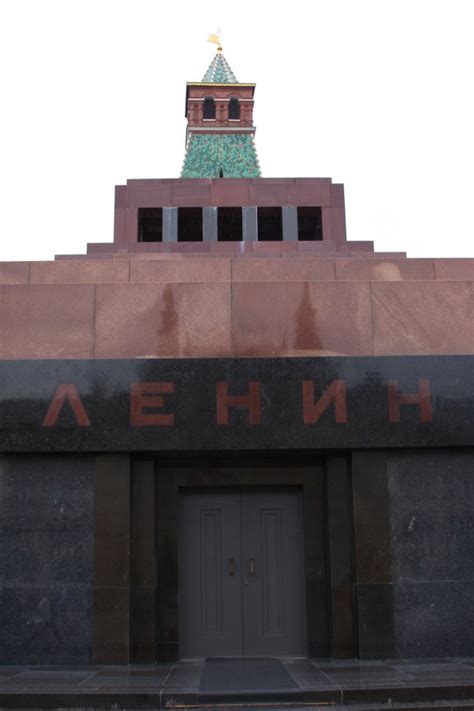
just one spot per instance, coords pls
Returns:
(251, 566)
(231, 566)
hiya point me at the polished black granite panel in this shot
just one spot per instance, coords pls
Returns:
(431, 497)
(340, 543)
(375, 620)
(237, 403)
(434, 617)
(46, 559)
(432, 502)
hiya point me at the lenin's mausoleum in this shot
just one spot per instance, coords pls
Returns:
(233, 432)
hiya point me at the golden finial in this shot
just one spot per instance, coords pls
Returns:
(215, 39)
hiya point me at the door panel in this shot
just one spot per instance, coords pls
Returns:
(273, 596)
(242, 573)
(210, 576)
(273, 623)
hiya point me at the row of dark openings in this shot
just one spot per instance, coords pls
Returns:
(229, 224)
(209, 109)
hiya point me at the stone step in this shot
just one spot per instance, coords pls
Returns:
(356, 698)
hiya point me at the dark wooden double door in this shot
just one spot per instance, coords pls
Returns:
(242, 583)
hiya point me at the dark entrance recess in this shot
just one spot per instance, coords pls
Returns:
(229, 224)
(250, 474)
(150, 224)
(189, 224)
(347, 547)
(309, 224)
(269, 224)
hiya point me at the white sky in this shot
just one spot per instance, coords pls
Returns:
(377, 94)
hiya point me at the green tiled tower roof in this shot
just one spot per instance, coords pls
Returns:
(215, 156)
(219, 72)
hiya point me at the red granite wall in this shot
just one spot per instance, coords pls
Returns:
(174, 305)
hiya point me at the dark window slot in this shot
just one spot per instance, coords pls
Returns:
(189, 224)
(229, 224)
(150, 224)
(310, 227)
(234, 109)
(269, 224)
(209, 109)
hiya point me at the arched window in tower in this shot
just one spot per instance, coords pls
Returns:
(209, 108)
(234, 110)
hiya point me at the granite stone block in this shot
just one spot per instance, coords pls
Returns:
(373, 558)
(311, 192)
(343, 621)
(47, 321)
(267, 269)
(267, 193)
(49, 625)
(112, 560)
(356, 245)
(97, 248)
(334, 224)
(431, 502)
(14, 272)
(433, 618)
(143, 624)
(419, 318)
(148, 194)
(431, 505)
(87, 272)
(374, 269)
(337, 195)
(112, 521)
(111, 614)
(301, 318)
(46, 559)
(229, 192)
(190, 193)
(163, 320)
(375, 620)
(320, 248)
(181, 270)
(456, 269)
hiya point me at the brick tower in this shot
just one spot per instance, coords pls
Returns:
(220, 131)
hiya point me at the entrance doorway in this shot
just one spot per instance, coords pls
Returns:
(241, 573)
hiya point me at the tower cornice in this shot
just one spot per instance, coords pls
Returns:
(227, 84)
